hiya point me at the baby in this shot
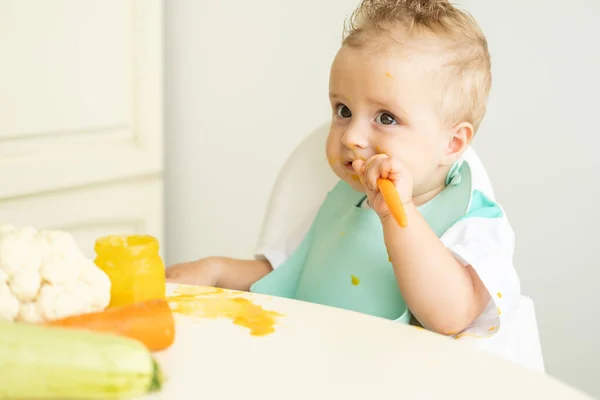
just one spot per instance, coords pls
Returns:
(408, 90)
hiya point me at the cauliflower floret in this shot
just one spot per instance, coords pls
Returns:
(9, 305)
(57, 301)
(62, 244)
(98, 283)
(44, 275)
(43, 247)
(30, 313)
(82, 293)
(25, 284)
(60, 270)
(17, 251)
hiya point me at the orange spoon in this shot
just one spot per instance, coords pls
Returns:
(392, 199)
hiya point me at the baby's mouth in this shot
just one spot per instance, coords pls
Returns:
(348, 164)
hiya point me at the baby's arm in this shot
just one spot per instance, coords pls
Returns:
(228, 273)
(442, 291)
(442, 294)
(241, 274)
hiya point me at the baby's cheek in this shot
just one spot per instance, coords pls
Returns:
(332, 148)
(422, 161)
(424, 175)
(333, 161)
(333, 152)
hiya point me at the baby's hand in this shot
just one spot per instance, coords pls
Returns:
(383, 166)
(203, 272)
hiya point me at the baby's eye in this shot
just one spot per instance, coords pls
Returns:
(343, 111)
(386, 119)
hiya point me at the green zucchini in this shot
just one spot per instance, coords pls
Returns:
(40, 362)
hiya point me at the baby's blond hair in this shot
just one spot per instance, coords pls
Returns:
(465, 69)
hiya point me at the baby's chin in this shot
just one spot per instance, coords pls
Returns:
(349, 177)
(353, 181)
(355, 185)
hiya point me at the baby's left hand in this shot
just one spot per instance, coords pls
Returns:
(383, 166)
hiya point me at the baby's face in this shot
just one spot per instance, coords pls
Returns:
(381, 103)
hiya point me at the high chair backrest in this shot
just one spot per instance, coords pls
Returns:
(301, 185)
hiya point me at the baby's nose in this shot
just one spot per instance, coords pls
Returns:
(354, 137)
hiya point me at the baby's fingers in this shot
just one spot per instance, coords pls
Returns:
(359, 169)
(358, 166)
(375, 169)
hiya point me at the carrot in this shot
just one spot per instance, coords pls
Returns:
(150, 322)
(392, 199)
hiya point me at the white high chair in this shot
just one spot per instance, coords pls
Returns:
(302, 184)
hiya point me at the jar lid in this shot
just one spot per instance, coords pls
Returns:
(134, 245)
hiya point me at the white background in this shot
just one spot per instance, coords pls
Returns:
(246, 81)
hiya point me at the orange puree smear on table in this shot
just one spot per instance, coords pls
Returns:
(205, 302)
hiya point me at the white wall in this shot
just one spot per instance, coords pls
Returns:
(246, 81)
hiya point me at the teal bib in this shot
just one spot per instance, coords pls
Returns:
(343, 261)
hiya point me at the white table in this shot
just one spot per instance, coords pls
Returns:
(319, 352)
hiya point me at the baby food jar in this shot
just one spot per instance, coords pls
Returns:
(134, 266)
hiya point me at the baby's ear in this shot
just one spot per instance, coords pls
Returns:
(459, 138)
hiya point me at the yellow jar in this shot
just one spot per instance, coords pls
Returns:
(134, 266)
